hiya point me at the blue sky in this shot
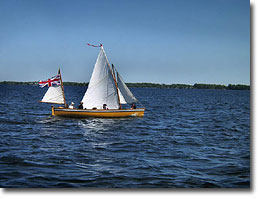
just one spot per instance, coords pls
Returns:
(160, 41)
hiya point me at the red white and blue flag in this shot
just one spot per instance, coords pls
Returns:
(56, 80)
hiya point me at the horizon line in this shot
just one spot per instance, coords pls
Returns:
(134, 83)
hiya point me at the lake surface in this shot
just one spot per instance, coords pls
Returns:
(187, 139)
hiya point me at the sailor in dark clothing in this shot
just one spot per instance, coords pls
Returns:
(104, 106)
(133, 106)
(80, 105)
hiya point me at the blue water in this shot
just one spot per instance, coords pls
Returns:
(187, 139)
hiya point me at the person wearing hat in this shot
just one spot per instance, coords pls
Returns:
(71, 105)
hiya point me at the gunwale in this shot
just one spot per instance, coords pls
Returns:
(83, 113)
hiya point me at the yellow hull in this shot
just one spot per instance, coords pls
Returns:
(83, 113)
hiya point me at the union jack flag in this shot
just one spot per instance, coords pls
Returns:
(56, 80)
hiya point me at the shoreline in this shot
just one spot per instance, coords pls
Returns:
(151, 85)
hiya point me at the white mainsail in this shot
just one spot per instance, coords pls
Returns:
(54, 94)
(128, 96)
(101, 89)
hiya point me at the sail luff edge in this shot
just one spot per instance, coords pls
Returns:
(110, 69)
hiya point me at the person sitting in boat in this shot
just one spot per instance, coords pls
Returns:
(71, 106)
(133, 106)
(80, 105)
(105, 106)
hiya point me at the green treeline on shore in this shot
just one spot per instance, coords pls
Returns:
(217, 86)
(75, 84)
(36, 83)
(187, 86)
(151, 85)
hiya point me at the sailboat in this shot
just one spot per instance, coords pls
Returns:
(104, 97)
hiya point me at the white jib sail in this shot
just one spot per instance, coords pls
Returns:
(125, 92)
(121, 97)
(54, 95)
(101, 89)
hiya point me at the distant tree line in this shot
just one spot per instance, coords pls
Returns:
(36, 83)
(17, 83)
(209, 86)
(238, 87)
(187, 86)
(75, 84)
(217, 86)
(151, 85)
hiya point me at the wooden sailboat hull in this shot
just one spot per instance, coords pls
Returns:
(83, 113)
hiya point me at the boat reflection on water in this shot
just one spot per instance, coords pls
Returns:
(101, 125)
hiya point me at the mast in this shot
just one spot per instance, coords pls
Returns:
(120, 106)
(62, 88)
